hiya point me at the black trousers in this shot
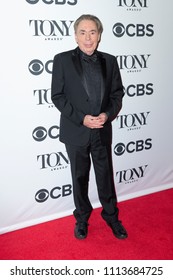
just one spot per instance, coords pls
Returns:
(80, 159)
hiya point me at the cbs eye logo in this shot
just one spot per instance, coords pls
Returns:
(42, 195)
(36, 67)
(40, 133)
(118, 29)
(119, 149)
(32, 1)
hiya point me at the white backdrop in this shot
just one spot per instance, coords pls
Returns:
(35, 173)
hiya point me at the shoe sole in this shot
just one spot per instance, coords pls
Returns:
(120, 237)
(79, 237)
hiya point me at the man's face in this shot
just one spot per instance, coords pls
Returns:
(87, 36)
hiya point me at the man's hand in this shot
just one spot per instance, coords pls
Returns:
(95, 121)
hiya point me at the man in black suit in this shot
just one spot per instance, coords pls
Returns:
(88, 91)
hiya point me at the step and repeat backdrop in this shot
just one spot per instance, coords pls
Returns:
(35, 176)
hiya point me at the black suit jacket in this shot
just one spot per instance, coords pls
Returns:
(69, 95)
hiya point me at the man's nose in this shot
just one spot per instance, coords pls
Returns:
(87, 36)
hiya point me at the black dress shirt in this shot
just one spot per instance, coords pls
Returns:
(93, 79)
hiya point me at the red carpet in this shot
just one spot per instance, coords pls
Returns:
(148, 219)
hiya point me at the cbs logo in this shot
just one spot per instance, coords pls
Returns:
(139, 89)
(132, 147)
(55, 193)
(57, 2)
(132, 30)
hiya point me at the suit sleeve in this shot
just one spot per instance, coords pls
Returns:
(116, 93)
(58, 95)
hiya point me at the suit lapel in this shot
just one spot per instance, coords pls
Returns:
(103, 68)
(77, 62)
(78, 67)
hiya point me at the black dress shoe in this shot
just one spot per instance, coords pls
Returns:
(81, 230)
(118, 230)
